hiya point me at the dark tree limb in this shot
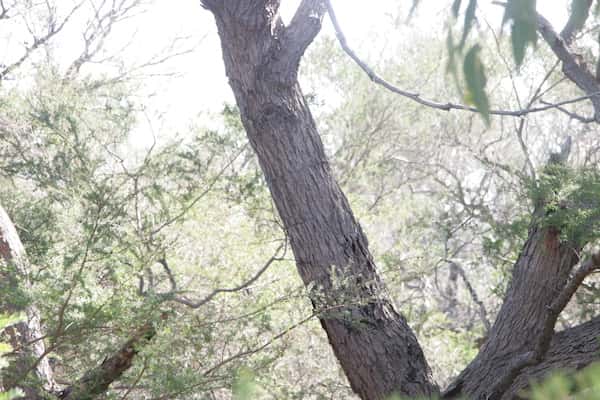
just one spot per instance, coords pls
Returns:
(573, 65)
(374, 344)
(569, 350)
(96, 381)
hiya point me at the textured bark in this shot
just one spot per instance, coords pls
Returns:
(516, 339)
(96, 381)
(24, 336)
(570, 350)
(574, 66)
(373, 343)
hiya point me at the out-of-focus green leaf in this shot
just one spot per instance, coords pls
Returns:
(580, 11)
(469, 20)
(475, 80)
(11, 394)
(522, 13)
(8, 320)
(244, 386)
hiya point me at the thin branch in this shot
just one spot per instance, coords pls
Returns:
(573, 115)
(474, 296)
(254, 278)
(53, 30)
(434, 104)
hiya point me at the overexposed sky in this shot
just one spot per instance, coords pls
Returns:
(199, 83)
(203, 85)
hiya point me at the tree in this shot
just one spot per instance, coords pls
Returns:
(373, 343)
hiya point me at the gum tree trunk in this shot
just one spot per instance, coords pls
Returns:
(373, 343)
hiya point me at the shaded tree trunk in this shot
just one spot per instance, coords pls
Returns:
(96, 381)
(372, 341)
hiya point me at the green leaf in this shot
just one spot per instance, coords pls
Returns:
(522, 13)
(244, 386)
(5, 348)
(468, 24)
(580, 11)
(8, 320)
(11, 394)
(475, 79)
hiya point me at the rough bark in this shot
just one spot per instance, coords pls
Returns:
(375, 347)
(570, 350)
(373, 343)
(23, 336)
(520, 334)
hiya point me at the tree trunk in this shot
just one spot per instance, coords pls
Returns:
(373, 343)
(570, 350)
(539, 276)
(24, 337)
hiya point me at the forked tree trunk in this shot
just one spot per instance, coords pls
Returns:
(519, 337)
(376, 348)
(373, 343)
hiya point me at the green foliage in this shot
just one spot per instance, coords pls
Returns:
(582, 385)
(476, 81)
(468, 22)
(472, 67)
(570, 197)
(244, 386)
(522, 13)
(6, 321)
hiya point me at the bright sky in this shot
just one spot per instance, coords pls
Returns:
(201, 85)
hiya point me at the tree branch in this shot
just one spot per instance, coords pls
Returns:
(200, 303)
(574, 67)
(594, 94)
(303, 29)
(96, 381)
(53, 30)
(571, 349)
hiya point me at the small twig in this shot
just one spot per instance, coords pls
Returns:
(254, 278)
